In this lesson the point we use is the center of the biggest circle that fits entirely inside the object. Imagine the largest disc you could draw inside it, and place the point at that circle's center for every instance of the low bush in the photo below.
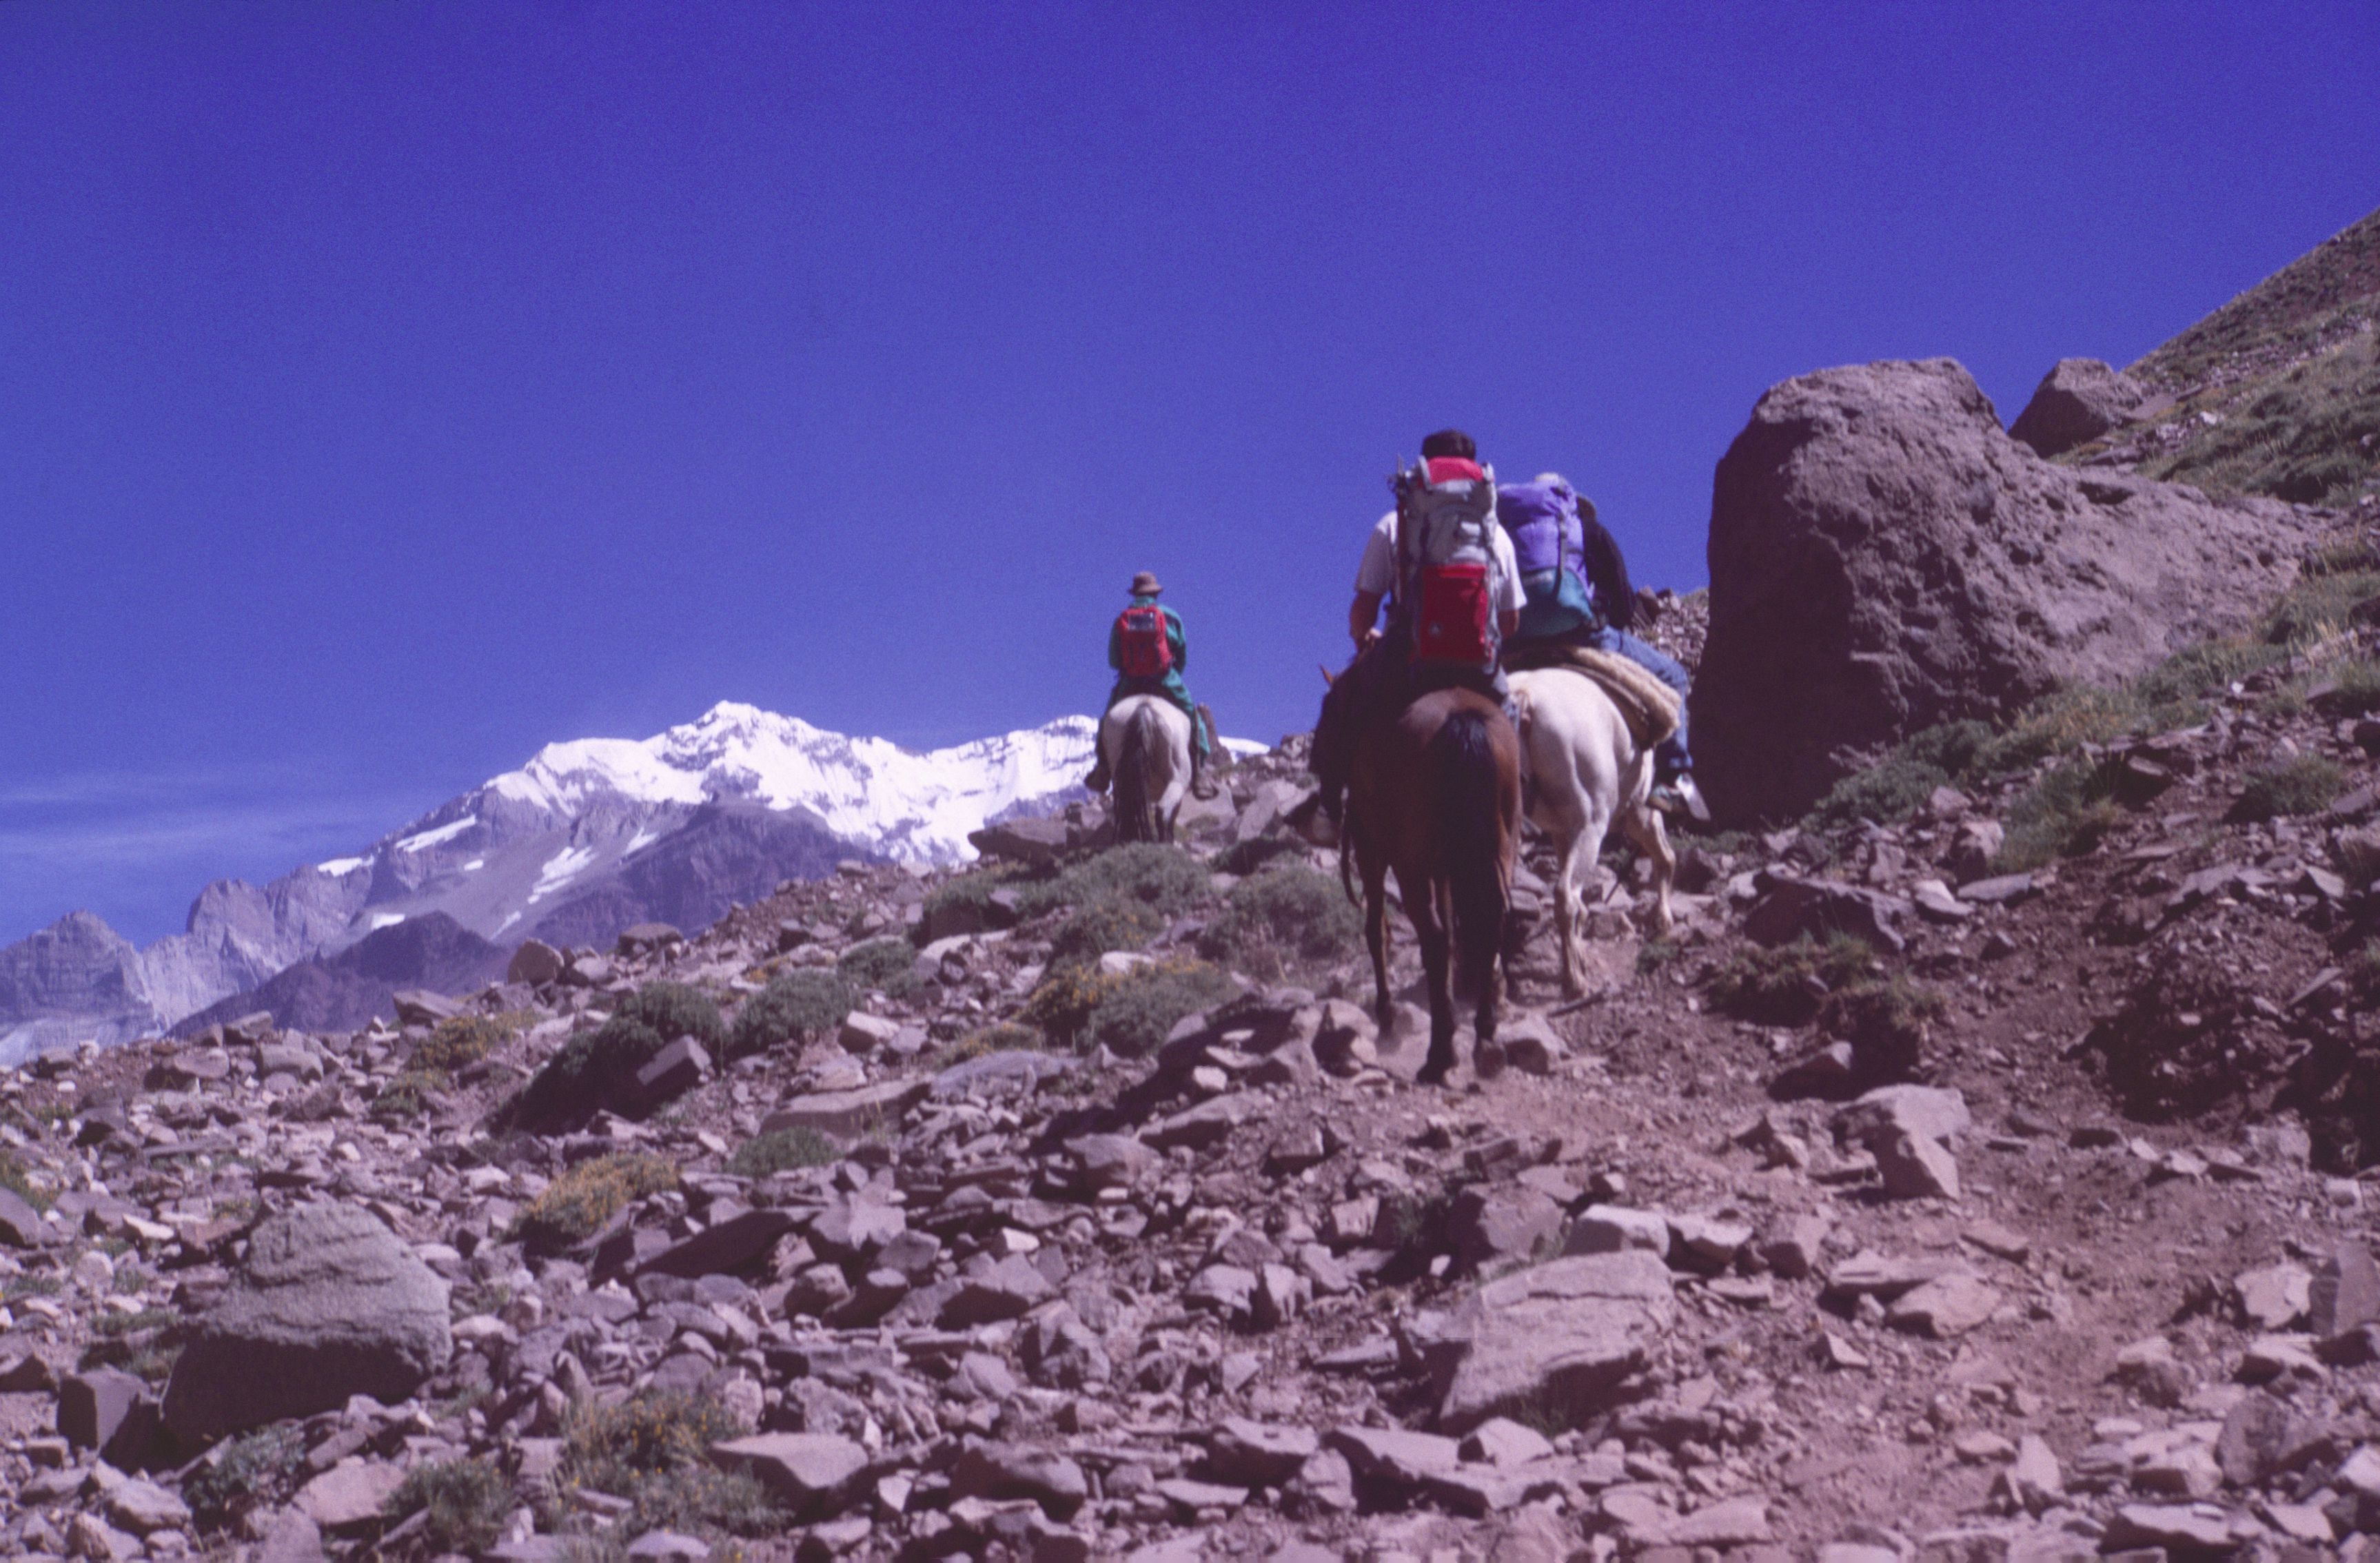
(2066, 813)
(1280, 920)
(781, 1150)
(1139, 1008)
(804, 1003)
(578, 1205)
(1787, 985)
(465, 1502)
(1091, 931)
(252, 1470)
(1247, 857)
(593, 1070)
(1080, 1006)
(464, 1040)
(1886, 1022)
(966, 901)
(410, 1094)
(2354, 689)
(1163, 879)
(1899, 784)
(887, 964)
(2304, 785)
(18, 1182)
(672, 1010)
(1002, 1037)
(654, 1451)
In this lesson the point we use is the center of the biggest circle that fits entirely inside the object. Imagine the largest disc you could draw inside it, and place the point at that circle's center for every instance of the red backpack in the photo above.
(1147, 647)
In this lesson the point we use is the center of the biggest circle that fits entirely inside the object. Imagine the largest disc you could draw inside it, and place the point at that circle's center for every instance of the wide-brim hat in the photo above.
(1144, 585)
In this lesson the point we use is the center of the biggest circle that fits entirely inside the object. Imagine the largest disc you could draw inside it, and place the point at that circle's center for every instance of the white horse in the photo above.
(1147, 742)
(1585, 774)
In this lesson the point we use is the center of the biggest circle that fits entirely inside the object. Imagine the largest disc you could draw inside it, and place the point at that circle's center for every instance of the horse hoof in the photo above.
(1434, 1073)
(1487, 1060)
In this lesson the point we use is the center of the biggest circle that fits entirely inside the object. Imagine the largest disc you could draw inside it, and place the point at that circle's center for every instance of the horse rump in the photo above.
(1471, 836)
(1135, 803)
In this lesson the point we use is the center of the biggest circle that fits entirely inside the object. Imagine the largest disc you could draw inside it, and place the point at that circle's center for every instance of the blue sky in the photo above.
(388, 389)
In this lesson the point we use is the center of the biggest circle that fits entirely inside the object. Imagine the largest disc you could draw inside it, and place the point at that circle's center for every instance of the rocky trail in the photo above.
(911, 1282)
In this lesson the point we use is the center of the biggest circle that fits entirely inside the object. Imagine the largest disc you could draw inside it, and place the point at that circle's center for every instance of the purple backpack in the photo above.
(1542, 517)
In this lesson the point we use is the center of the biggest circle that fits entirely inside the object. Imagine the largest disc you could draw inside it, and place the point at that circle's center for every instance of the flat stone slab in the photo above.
(1560, 1336)
(847, 1113)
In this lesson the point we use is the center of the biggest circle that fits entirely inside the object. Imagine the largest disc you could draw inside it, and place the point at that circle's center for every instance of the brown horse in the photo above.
(1436, 795)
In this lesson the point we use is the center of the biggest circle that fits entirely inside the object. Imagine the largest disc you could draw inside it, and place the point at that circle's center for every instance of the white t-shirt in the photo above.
(1377, 573)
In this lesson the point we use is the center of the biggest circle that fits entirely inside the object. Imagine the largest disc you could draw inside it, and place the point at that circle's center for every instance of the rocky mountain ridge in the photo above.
(590, 837)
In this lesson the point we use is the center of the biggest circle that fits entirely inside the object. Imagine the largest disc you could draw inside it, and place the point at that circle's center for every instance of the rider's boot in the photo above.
(1680, 795)
(1202, 783)
(1099, 777)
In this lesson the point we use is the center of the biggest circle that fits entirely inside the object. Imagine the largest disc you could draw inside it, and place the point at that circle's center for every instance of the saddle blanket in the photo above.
(1646, 704)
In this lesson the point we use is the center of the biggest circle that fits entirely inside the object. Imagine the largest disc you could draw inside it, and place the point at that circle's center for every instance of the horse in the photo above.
(1436, 796)
(1147, 741)
(1586, 773)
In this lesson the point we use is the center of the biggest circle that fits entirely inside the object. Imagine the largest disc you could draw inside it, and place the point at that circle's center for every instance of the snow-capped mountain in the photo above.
(588, 836)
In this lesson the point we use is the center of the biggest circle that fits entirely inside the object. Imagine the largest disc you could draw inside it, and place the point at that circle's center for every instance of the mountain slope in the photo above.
(587, 838)
(2277, 393)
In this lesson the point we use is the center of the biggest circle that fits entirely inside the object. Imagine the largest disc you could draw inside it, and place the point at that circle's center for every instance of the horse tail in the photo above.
(1469, 809)
(1136, 808)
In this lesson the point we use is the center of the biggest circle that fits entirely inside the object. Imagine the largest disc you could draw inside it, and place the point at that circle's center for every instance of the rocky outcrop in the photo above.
(2075, 402)
(333, 1305)
(1884, 556)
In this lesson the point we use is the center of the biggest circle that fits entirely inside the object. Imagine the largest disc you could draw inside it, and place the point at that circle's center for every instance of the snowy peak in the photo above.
(916, 807)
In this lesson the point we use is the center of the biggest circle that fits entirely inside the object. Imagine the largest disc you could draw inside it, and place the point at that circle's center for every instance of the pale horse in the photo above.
(1147, 742)
(1585, 774)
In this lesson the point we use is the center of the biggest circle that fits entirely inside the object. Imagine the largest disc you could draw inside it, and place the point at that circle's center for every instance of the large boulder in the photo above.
(2075, 402)
(332, 1304)
(1884, 557)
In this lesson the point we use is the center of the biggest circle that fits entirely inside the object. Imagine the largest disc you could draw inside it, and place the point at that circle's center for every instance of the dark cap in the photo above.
(1144, 585)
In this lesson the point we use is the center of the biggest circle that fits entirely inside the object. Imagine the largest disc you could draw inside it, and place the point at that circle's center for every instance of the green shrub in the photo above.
(806, 1002)
(781, 1150)
(2304, 785)
(1164, 879)
(1139, 1008)
(672, 1010)
(410, 1094)
(654, 1451)
(578, 1205)
(1247, 857)
(1001, 1036)
(2066, 813)
(889, 964)
(464, 1040)
(251, 1470)
(467, 1502)
(1283, 919)
(2354, 689)
(16, 1181)
(1884, 1022)
(1787, 985)
(592, 1070)
(1091, 931)
(965, 904)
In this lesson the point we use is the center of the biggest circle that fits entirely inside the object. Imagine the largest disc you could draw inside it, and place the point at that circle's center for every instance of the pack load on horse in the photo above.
(1578, 610)
(1154, 741)
(1446, 574)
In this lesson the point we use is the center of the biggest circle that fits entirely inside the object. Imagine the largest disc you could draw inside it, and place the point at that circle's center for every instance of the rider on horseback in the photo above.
(1557, 540)
(1148, 649)
(1387, 674)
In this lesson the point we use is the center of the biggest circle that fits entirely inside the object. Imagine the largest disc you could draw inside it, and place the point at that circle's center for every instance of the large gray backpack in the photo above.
(1446, 563)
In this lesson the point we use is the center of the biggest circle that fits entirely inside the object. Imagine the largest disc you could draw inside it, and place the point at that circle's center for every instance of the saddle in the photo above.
(1646, 704)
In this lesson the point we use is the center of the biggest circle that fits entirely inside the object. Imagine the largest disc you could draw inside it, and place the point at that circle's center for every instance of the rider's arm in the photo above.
(1361, 615)
(1508, 623)
(1181, 641)
(1115, 646)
